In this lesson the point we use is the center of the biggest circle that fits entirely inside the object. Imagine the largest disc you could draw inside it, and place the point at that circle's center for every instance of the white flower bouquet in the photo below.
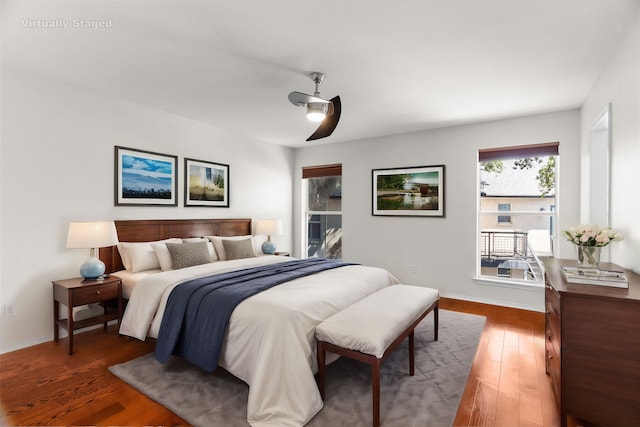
(591, 235)
(589, 239)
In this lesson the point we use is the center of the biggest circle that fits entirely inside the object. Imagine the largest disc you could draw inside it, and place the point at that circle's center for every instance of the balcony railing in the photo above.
(506, 253)
(503, 244)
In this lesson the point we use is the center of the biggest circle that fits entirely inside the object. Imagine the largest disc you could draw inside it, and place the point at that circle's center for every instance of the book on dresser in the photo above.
(591, 276)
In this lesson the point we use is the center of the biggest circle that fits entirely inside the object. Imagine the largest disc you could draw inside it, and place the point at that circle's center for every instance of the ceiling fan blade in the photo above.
(330, 122)
(301, 99)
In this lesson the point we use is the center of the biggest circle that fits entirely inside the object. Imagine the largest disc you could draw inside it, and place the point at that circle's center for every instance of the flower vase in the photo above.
(588, 256)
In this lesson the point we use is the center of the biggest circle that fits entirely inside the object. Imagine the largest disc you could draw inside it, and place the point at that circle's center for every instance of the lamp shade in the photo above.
(86, 235)
(92, 235)
(269, 227)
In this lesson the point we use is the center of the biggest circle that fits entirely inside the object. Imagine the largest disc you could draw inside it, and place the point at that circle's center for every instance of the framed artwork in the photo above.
(206, 184)
(410, 191)
(145, 178)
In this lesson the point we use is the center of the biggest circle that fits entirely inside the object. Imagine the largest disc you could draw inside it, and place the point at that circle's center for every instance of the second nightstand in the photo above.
(79, 291)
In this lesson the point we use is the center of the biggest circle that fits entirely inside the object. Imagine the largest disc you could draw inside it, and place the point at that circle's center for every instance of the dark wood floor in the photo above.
(42, 385)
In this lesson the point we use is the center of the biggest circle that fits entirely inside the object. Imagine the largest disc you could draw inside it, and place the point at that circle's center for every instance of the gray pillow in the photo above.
(187, 254)
(236, 249)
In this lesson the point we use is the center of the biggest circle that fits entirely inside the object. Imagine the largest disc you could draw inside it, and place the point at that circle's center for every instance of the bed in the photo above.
(269, 342)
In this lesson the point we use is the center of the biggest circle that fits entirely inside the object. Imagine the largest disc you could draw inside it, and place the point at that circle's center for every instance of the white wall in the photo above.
(444, 249)
(57, 166)
(619, 84)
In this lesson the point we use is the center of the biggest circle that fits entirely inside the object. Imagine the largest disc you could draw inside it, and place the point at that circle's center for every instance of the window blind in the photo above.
(321, 171)
(518, 152)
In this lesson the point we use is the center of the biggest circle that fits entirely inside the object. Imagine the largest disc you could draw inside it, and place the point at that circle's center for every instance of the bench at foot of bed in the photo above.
(369, 330)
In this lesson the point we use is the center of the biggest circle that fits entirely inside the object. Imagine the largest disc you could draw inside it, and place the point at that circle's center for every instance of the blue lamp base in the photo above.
(92, 268)
(268, 247)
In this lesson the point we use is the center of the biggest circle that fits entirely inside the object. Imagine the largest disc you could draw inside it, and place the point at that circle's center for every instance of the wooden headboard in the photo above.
(148, 230)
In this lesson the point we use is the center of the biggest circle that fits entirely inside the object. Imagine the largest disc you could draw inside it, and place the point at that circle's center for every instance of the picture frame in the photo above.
(145, 178)
(409, 191)
(206, 184)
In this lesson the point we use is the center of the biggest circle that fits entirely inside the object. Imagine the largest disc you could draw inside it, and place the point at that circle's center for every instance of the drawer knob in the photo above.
(98, 292)
(550, 356)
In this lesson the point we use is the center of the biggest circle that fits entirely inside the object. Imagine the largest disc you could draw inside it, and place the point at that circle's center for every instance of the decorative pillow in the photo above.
(219, 248)
(188, 254)
(140, 256)
(212, 251)
(236, 249)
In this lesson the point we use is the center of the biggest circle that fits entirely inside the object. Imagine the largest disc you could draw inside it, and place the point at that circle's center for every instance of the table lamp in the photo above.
(269, 227)
(92, 235)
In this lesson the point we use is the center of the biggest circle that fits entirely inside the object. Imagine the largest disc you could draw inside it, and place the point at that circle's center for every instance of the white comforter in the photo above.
(270, 342)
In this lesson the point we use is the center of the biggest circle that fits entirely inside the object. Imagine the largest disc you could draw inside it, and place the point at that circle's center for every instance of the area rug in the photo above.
(429, 398)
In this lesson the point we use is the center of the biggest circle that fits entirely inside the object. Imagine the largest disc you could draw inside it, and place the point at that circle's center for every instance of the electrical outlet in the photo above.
(413, 269)
(9, 309)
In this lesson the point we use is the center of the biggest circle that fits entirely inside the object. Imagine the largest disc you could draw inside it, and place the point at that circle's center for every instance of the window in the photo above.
(323, 216)
(502, 207)
(522, 182)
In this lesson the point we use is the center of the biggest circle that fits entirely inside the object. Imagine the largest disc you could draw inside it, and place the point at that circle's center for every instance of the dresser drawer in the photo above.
(552, 302)
(96, 293)
(552, 361)
(552, 317)
(601, 388)
(604, 326)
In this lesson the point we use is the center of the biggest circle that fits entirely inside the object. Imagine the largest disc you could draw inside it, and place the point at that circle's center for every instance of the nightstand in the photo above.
(78, 291)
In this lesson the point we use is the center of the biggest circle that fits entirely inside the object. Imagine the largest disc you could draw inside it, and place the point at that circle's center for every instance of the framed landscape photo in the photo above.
(410, 191)
(206, 184)
(145, 178)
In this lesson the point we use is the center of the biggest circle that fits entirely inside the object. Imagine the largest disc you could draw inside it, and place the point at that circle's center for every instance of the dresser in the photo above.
(593, 347)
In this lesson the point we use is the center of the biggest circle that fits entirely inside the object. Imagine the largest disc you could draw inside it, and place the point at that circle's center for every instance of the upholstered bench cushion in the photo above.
(373, 323)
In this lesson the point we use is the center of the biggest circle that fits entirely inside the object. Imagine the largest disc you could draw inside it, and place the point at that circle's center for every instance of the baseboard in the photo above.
(62, 334)
(26, 344)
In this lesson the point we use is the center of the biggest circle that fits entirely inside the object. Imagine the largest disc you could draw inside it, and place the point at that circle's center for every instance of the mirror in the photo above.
(599, 169)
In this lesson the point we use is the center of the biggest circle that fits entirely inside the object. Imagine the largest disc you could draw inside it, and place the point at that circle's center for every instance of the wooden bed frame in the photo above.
(149, 230)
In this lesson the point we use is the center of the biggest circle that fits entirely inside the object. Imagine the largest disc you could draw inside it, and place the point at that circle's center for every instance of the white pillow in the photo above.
(140, 256)
(217, 244)
(163, 255)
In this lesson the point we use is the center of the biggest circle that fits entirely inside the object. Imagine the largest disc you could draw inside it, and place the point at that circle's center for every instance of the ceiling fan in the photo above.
(326, 111)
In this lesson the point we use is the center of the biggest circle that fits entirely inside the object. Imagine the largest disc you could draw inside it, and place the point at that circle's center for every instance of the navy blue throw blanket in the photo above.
(198, 311)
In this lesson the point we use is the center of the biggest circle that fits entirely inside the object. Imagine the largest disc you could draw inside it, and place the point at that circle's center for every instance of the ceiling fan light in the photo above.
(316, 111)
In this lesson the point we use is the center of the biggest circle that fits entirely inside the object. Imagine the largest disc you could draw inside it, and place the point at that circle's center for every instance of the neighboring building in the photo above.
(514, 190)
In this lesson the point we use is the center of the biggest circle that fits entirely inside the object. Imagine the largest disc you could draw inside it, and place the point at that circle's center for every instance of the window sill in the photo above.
(508, 283)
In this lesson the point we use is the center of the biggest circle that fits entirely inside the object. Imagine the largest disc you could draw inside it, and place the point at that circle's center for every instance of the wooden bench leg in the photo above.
(321, 367)
(375, 390)
(412, 353)
(435, 322)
